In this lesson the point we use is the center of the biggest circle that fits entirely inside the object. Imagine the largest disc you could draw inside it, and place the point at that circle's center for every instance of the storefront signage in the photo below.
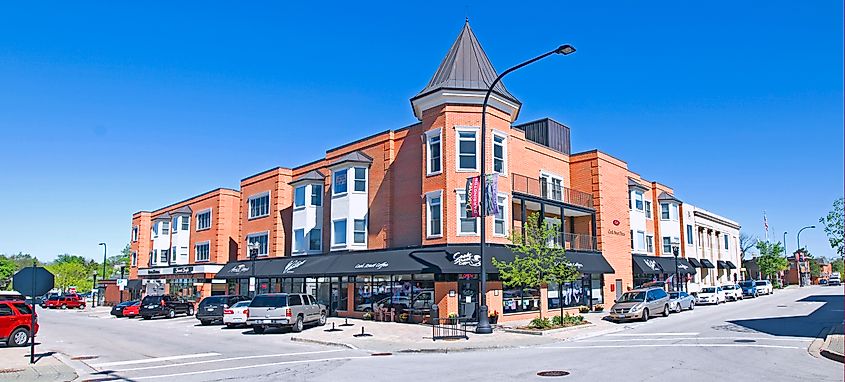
(468, 259)
(153, 272)
(182, 270)
(682, 266)
(239, 268)
(616, 222)
(578, 265)
(651, 264)
(383, 264)
(293, 265)
(615, 232)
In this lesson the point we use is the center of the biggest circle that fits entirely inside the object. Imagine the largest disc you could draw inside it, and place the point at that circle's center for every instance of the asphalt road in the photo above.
(757, 339)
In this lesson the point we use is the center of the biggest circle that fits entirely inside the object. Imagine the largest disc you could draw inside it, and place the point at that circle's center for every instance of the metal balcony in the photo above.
(547, 190)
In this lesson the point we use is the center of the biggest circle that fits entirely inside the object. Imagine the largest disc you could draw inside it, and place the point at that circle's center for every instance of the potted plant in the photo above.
(367, 316)
(598, 308)
(494, 317)
(584, 309)
(403, 317)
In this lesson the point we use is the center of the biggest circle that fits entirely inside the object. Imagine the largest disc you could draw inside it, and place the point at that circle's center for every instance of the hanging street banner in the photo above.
(473, 195)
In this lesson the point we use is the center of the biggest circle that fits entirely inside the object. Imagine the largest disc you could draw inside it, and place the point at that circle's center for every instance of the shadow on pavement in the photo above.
(808, 326)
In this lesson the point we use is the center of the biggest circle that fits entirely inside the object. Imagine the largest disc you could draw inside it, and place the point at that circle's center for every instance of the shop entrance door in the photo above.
(468, 299)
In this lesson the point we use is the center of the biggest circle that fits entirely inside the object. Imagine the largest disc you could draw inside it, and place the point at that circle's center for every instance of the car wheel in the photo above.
(692, 305)
(145, 317)
(297, 326)
(19, 337)
(190, 311)
(258, 329)
(665, 310)
(171, 313)
(64, 307)
(205, 323)
(322, 319)
(645, 314)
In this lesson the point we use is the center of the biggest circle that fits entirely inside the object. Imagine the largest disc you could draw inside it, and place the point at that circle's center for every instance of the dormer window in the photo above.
(299, 196)
(360, 179)
(638, 200)
(339, 182)
(316, 195)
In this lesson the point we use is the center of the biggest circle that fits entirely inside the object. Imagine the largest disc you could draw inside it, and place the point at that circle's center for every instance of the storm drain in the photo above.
(84, 357)
(553, 373)
(745, 341)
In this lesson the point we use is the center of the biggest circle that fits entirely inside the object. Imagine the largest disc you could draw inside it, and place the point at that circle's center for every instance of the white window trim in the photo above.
(497, 133)
(341, 194)
(652, 243)
(256, 196)
(428, 197)
(670, 212)
(309, 195)
(649, 215)
(504, 216)
(196, 217)
(366, 180)
(305, 196)
(366, 233)
(304, 239)
(308, 239)
(642, 246)
(196, 259)
(136, 230)
(549, 182)
(428, 136)
(634, 201)
(256, 234)
(674, 212)
(334, 244)
(458, 194)
(458, 130)
(133, 259)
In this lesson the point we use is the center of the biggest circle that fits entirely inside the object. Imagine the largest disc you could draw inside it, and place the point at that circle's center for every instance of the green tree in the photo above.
(23, 260)
(771, 260)
(834, 226)
(837, 266)
(71, 273)
(7, 270)
(536, 262)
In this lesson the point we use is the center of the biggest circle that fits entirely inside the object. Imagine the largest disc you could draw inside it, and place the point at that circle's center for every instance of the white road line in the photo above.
(149, 360)
(228, 359)
(674, 345)
(250, 367)
(652, 334)
(707, 338)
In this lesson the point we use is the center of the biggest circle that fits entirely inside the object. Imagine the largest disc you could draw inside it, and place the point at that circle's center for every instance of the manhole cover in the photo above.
(745, 341)
(84, 357)
(380, 354)
(553, 373)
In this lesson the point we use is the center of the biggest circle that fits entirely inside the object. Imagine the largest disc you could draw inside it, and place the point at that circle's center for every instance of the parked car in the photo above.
(210, 309)
(64, 302)
(10, 296)
(679, 301)
(640, 304)
(277, 310)
(117, 310)
(133, 310)
(165, 306)
(733, 292)
(236, 315)
(711, 295)
(749, 288)
(764, 286)
(15, 321)
(834, 280)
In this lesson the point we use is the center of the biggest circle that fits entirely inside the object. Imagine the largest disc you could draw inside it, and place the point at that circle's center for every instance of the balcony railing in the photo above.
(551, 191)
(574, 242)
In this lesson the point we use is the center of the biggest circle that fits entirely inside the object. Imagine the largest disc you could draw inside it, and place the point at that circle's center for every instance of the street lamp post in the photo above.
(798, 248)
(675, 247)
(104, 259)
(483, 326)
(253, 253)
(93, 291)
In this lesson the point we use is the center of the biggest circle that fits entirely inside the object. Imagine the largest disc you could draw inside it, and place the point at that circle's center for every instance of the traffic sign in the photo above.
(33, 281)
(121, 283)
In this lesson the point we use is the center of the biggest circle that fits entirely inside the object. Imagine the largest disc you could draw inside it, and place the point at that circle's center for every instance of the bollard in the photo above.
(434, 318)
(362, 334)
(346, 322)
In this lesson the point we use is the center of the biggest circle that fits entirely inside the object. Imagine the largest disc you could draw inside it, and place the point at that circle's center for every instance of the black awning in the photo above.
(730, 265)
(684, 266)
(293, 265)
(706, 264)
(694, 262)
(721, 264)
(646, 265)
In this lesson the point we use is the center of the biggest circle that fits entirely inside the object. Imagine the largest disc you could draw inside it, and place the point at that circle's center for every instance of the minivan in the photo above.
(640, 304)
(284, 310)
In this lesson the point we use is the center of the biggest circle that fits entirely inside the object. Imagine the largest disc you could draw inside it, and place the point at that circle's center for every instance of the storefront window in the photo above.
(572, 294)
(363, 294)
(342, 299)
(184, 288)
(596, 286)
(516, 300)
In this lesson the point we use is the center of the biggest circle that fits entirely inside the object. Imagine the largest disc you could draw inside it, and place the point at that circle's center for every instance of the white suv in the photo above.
(764, 287)
(732, 292)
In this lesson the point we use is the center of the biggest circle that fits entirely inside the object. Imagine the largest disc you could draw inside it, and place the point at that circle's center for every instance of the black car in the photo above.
(117, 310)
(165, 306)
(211, 308)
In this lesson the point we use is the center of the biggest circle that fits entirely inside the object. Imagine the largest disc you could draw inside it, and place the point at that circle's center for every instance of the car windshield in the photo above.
(54, 298)
(674, 295)
(269, 301)
(213, 300)
(151, 300)
(241, 304)
(632, 297)
(747, 284)
(123, 304)
(708, 290)
(728, 287)
(761, 283)
(23, 308)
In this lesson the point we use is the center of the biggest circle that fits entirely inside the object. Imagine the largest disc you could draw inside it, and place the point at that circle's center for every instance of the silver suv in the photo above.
(278, 310)
(640, 304)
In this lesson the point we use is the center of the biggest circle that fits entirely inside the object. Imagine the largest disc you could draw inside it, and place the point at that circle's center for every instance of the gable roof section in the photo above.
(355, 156)
(665, 196)
(313, 175)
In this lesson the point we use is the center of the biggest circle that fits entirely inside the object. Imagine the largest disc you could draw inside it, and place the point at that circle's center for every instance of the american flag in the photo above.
(765, 222)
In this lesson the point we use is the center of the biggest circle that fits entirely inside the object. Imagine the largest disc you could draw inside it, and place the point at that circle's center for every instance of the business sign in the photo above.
(289, 268)
(383, 264)
(240, 268)
(468, 259)
(182, 270)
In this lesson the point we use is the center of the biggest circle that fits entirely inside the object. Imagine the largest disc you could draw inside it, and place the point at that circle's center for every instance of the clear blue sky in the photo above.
(107, 109)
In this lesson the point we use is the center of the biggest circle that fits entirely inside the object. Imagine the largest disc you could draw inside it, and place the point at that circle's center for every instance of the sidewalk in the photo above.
(391, 337)
(834, 344)
(15, 366)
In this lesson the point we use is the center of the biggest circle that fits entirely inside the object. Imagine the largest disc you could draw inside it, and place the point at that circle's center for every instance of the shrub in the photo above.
(453, 315)
(598, 308)
(567, 320)
(368, 316)
(540, 323)
(584, 309)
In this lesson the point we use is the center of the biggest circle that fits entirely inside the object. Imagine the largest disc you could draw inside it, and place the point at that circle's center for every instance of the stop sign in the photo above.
(33, 281)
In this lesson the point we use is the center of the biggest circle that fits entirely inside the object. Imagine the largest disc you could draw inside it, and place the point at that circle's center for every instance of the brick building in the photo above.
(382, 221)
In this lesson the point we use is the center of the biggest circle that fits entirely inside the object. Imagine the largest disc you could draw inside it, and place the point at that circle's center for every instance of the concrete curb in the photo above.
(827, 352)
(549, 332)
(325, 343)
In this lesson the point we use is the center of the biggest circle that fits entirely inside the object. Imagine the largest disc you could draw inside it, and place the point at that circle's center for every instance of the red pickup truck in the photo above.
(15, 319)
(64, 302)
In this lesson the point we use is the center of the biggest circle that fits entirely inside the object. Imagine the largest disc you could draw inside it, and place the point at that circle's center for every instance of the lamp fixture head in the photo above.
(565, 49)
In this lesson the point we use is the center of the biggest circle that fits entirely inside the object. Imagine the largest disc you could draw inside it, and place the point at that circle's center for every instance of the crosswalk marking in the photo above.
(228, 359)
(706, 338)
(150, 360)
(250, 367)
(674, 345)
(652, 334)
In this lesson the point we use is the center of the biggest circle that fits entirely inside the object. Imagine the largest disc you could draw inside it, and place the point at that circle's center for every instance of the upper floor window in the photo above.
(134, 259)
(263, 241)
(316, 195)
(433, 161)
(155, 229)
(647, 206)
(186, 223)
(500, 226)
(359, 231)
(339, 181)
(299, 196)
(468, 225)
(204, 220)
(175, 224)
(360, 179)
(165, 227)
(689, 234)
(640, 240)
(201, 251)
(649, 243)
(434, 214)
(467, 150)
(667, 245)
(638, 200)
(674, 210)
(664, 211)
(259, 205)
(500, 149)
(299, 240)
(315, 239)
(726, 241)
(339, 232)
(551, 187)
(164, 256)
(134, 233)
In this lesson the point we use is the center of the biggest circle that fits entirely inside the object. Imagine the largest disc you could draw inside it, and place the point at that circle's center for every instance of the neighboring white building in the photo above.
(711, 243)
